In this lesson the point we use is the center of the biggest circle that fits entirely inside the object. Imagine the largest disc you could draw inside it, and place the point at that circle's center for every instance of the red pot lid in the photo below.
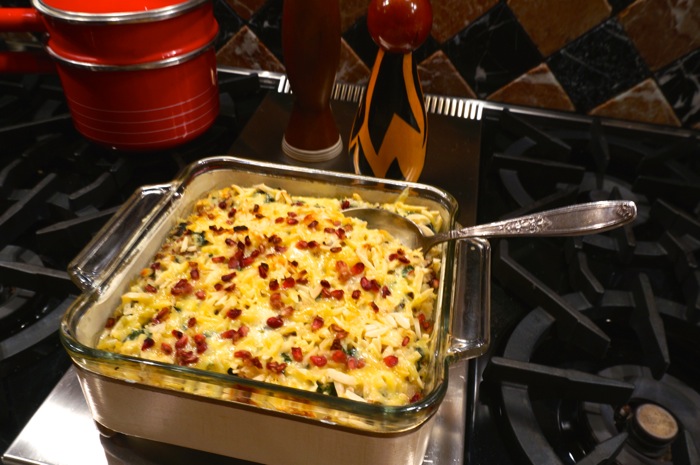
(113, 10)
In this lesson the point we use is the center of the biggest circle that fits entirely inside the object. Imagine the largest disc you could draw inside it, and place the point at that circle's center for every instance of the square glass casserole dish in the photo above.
(246, 418)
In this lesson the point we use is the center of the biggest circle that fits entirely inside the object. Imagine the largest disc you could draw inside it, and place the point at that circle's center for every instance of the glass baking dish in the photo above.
(128, 242)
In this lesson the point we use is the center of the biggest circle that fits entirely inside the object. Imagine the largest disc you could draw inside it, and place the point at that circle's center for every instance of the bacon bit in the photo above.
(150, 288)
(256, 362)
(222, 205)
(325, 293)
(186, 357)
(318, 360)
(297, 354)
(243, 331)
(317, 323)
(276, 301)
(234, 313)
(375, 285)
(292, 221)
(275, 367)
(355, 363)
(337, 294)
(228, 277)
(216, 229)
(161, 315)
(182, 342)
(302, 281)
(424, 323)
(274, 285)
(302, 245)
(230, 288)
(256, 208)
(194, 274)
(313, 244)
(147, 343)
(280, 249)
(240, 228)
(155, 266)
(263, 269)
(345, 204)
(219, 259)
(182, 287)
(247, 261)
(339, 356)
(391, 361)
(232, 212)
(366, 284)
(312, 225)
(287, 311)
(218, 286)
(200, 294)
(166, 348)
(340, 333)
(177, 333)
(325, 284)
(385, 291)
(374, 307)
(356, 294)
(357, 268)
(405, 341)
(275, 322)
(340, 232)
(292, 214)
(343, 270)
(228, 334)
(336, 345)
(336, 249)
(243, 354)
(288, 283)
(329, 230)
(279, 220)
(435, 283)
(110, 323)
(201, 343)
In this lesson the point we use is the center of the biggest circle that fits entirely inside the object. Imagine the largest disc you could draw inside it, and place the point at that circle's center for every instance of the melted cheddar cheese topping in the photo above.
(284, 289)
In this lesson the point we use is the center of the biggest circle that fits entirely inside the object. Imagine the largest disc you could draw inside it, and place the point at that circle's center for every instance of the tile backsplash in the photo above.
(632, 60)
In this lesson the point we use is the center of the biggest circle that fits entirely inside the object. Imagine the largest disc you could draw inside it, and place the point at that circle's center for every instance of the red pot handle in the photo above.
(20, 20)
(26, 63)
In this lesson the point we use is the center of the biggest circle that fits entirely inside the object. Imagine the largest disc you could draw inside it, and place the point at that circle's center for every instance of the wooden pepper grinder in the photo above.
(311, 47)
(390, 132)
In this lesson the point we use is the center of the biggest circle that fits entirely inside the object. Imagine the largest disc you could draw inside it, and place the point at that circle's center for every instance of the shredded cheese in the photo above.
(261, 284)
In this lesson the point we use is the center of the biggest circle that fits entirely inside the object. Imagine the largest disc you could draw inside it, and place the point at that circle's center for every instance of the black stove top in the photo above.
(595, 356)
(594, 353)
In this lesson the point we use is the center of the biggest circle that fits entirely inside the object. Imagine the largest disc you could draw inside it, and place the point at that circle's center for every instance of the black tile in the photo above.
(358, 38)
(680, 83)
(229, 22)
(598, 65)
(492, 51)
(619, 5)
(266, 23)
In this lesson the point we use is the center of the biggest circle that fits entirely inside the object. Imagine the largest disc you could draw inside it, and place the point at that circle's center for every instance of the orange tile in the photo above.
(439, 76)
(551, 24)
(245, 8)
(644, 102)
(451, 16)
(245, 50)
(536, 88)
(662, 30)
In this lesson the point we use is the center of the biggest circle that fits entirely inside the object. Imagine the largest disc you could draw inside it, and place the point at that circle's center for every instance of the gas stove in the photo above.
(593, 354)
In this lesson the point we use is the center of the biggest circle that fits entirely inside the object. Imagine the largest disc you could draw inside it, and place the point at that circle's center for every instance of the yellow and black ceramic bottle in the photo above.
(390, 132)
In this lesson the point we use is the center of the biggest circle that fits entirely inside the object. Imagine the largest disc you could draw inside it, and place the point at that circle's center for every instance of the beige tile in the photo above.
(439, 76)
(662, 30)
(645, 102)
(451, 16)
(351, 11)
(551, 24)
(536, 88)
(352, 69)
(245, 50)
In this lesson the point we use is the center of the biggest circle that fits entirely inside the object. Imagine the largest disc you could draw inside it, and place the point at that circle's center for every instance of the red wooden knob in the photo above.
(399, 26)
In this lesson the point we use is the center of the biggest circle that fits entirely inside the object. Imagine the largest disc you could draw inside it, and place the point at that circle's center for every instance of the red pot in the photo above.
(137, 74)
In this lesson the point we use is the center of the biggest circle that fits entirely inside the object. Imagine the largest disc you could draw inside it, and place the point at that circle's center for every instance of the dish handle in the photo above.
(470, 333)
(109, 247)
